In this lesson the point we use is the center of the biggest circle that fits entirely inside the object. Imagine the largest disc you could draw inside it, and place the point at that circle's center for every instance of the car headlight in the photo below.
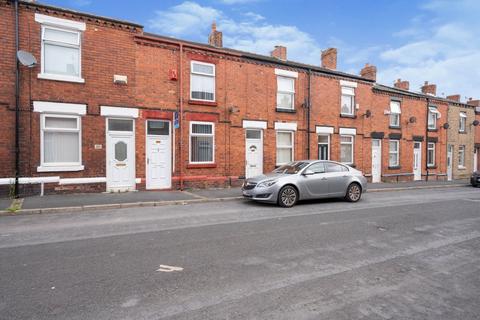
(266, 184)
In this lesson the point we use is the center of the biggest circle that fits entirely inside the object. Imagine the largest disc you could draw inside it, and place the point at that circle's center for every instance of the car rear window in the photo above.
(334, 167)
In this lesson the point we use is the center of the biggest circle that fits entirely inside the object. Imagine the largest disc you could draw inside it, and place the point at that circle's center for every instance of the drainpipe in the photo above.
(426, 140)
(180, 116)
(17, 103)
(308, 112)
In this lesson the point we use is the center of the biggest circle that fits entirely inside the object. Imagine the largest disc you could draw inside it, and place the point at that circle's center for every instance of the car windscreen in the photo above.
(291, 168)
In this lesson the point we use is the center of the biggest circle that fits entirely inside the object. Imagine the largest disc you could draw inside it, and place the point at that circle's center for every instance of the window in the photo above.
(347, 101)
(202, 142)
(333, 167)
(461, 156)
(61, 54)
(284, 147)
(431, 154)
(463, 122)
(202, 81)
(318, 167)
(346, 149)
(158, 128)
(393, 153)
(395, 112)
(125, 125)
(285, 93)
(323, 147)
(60, 141)
(433, 115)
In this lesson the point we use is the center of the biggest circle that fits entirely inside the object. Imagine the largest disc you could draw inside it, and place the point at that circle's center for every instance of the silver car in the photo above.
(306, 179)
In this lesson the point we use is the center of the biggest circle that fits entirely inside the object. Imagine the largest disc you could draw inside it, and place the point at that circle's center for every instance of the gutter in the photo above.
(308, 112)
(426, 140)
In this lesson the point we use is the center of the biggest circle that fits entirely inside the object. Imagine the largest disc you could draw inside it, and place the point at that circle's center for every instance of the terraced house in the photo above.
(109, 107)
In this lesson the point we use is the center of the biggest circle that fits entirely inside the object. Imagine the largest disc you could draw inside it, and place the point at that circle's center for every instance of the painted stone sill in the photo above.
(462, 168)
(201, 165)
(203, 103)
(432, 130)
(351, 116)
(57, 77)
(395, 127)
(431, 167)
(59, 168)
(285, 110)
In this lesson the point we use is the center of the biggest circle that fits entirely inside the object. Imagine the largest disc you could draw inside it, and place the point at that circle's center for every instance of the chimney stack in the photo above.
(329, 58)
(369, 72)
(404, 85)
(215, 37)
(454, 97)
(472, 102)
(430, 89)
(280, 52)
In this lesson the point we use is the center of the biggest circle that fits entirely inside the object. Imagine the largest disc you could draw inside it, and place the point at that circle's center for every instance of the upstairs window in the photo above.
(433, 115)
(285, 93)
(462, 122)
(202, 81)
(395, 112)
(347, 101)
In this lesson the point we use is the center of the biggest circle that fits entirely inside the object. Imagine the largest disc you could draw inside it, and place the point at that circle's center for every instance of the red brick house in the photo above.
(109, 107)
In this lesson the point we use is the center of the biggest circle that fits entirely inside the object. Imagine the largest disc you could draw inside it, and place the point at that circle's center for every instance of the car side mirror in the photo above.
(308, 173)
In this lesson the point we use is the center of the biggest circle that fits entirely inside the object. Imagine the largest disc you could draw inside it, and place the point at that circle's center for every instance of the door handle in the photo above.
(323, 178)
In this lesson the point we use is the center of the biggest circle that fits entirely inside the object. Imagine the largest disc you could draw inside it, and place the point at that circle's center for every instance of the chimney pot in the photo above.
(405, 85)
(430, 89)
(215, 37)
(280, 52)
(329, 58)
(369, 72)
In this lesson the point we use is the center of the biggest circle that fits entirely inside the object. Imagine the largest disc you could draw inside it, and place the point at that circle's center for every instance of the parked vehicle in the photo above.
(306, 179)
(475, 179)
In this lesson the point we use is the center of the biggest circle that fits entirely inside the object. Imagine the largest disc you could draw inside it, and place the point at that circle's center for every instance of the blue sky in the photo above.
(430, 40)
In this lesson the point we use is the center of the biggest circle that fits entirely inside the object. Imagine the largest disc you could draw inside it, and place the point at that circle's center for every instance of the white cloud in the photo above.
(250, 33)
(185, 19)
(445, 51)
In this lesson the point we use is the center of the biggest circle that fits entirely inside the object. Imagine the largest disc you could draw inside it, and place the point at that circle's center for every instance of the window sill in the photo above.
(432, 130)
(285, 110)
(201, 165)
(395, 127)
(462, 132)
(394, 167)
(462, 168)
(203, 103)
(431, 167)
(59, 168)
(351, 116)
(57, 77)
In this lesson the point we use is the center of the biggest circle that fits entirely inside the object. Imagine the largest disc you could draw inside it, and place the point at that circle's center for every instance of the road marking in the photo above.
(165, 268)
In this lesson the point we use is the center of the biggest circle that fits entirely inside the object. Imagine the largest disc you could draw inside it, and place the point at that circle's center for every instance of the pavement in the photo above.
(412, 254)
(89, 201)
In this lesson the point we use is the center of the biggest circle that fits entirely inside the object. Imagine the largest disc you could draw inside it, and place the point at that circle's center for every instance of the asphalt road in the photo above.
(394, 255)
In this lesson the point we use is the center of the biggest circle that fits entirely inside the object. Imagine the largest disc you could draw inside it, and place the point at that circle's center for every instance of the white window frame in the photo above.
(61, 77)
(462, 125)
(291, 147)
(351, 96)
(396, 151)
(323, 143)
(191, 134)
(350, 143)
(214, 76)
(431, 161)
(292, 107)
(395, 114)
(461, 156)
(59, 166)
(436, 116)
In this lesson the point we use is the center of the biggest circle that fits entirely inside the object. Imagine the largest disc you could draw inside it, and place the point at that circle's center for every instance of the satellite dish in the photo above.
(476, 122)
(368, 113)
(446, 126)
(412, 120)
(26, 59)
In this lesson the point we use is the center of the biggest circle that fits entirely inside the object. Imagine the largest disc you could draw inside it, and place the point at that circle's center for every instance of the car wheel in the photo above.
(354, 192)
(287, 197)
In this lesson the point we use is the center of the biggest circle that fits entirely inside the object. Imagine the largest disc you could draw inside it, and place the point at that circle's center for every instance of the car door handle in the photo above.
(345, 176)
(323, 178)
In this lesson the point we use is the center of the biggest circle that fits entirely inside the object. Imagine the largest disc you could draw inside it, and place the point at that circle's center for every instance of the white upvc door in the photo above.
(450, 162)
(475, 159)
(120, 155)
(417, 161)
(253, 152)
(376, 160)
(158, 155)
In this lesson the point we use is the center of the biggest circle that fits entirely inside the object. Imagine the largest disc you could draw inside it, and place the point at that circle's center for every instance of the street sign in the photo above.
(176, 122)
